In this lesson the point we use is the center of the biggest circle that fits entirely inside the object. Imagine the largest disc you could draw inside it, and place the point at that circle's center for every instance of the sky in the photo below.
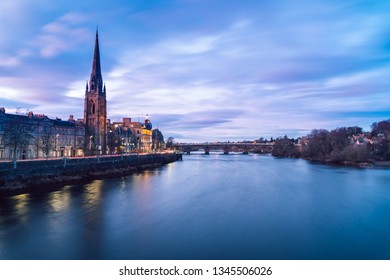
(202, 70)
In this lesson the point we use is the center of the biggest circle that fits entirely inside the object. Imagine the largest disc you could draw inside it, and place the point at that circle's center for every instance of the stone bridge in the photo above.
(227, 147)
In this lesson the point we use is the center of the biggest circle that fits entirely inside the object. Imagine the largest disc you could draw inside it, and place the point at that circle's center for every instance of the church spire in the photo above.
(96, 80)
(95, 108)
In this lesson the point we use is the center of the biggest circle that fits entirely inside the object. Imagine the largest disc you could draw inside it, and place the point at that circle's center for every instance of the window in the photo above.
(92, 107)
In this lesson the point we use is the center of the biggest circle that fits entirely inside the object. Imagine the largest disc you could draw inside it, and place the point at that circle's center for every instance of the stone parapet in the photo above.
(30, 174)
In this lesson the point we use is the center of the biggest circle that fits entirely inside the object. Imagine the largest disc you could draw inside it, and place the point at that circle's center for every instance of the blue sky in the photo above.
(203, 70)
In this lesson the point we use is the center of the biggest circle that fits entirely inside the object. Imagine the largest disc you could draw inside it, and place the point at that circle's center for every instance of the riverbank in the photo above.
(363, 164)
(35, 175)
(382, 163)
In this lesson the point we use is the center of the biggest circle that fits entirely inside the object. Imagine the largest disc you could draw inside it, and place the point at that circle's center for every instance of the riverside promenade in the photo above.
(30, 175)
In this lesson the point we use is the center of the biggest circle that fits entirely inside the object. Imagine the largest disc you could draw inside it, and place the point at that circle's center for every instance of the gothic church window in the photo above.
(92, 107)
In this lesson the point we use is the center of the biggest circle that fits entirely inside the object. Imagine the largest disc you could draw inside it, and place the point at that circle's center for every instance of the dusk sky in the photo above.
(207, 70)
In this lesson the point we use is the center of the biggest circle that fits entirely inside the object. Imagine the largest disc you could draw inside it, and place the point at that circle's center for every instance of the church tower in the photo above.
(95, 108)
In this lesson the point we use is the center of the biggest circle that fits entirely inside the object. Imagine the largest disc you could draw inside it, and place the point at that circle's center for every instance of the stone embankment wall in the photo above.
(34, 173)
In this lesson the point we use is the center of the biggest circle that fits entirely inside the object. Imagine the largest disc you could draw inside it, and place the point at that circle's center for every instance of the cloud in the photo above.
(33, 93)
(8, 10)
(62, 35)
(210, 70)
(191, 45)
(9, 61)
(198, 119)
(270, 74)
(9, 93)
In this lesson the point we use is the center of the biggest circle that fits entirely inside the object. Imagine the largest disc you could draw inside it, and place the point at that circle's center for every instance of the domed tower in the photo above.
(147, 123)
(95, 108)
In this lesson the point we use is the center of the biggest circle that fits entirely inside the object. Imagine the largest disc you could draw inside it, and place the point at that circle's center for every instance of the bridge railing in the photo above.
(221, 144)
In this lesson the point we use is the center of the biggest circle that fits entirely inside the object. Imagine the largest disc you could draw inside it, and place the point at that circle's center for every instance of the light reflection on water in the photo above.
(207, 207)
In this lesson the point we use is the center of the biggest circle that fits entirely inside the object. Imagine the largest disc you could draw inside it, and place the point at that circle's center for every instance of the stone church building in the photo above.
(24, 136)
(95, 108)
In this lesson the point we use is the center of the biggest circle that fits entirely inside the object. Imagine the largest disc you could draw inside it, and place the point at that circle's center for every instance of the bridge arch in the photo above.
(244, 147)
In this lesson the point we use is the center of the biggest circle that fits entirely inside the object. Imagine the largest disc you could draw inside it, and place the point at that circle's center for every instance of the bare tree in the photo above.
(382, 127)
(170, 142)
(16, 136)
(285, 147)
(319, 146)
(37, 145)
(157, 139)
(46, 143)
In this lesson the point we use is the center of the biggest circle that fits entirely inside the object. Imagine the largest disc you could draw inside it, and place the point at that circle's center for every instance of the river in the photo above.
(207, 207)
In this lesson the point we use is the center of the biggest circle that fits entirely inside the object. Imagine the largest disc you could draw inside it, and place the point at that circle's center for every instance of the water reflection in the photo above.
(14, 209)
(21, 205)
(207, 207)
(59, 200)
(92, 193)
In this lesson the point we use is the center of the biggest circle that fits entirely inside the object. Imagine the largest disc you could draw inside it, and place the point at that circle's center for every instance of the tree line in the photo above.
(343, 144)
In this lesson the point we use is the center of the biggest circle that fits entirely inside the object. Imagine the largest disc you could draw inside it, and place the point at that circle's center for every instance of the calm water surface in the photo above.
(207, 207)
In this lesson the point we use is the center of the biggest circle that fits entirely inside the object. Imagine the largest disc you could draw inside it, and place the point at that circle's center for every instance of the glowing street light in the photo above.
(90, 143)
(55, 146)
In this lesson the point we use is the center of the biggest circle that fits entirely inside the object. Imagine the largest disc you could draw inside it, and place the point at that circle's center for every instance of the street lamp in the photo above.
(56, 144)
(90, 144)
(110, 143)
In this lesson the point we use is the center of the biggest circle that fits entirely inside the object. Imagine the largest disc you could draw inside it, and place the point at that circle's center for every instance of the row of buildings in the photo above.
(30, 135)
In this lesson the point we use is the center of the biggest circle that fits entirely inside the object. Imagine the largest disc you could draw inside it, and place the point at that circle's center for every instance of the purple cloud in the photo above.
(266, 68)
